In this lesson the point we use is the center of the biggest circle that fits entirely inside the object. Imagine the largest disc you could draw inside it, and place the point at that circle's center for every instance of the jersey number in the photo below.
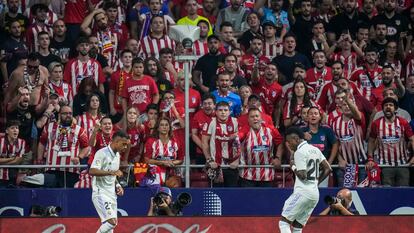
(107, 205)
(313, 172)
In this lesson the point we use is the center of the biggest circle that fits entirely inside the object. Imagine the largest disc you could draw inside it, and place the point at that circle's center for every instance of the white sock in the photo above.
(297, 230)
(106, 227)
(284, 227)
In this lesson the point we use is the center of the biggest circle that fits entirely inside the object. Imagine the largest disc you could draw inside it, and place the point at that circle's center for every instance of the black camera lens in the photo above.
(329, 200)
(158, 200)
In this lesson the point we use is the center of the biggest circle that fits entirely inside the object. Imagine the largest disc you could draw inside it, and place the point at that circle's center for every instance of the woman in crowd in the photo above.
(87, 87)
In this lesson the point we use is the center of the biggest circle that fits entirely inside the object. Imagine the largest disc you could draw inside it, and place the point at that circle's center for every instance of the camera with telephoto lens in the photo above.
(329, 200)
(183, 200)
(159, 198)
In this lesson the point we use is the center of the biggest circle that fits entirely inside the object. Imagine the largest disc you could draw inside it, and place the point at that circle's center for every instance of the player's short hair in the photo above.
(120, 134)
(390, 100)
(293, 130)
(225, 24)
(208, 96)
(252, 109)
(105, 117)
(11, 123)
(137, 60)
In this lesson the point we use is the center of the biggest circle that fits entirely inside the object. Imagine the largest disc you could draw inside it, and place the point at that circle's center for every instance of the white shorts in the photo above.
(298, 207)
(106, 206)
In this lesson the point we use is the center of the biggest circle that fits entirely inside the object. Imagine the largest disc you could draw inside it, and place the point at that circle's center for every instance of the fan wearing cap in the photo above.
(390, 135)
(12, 150)
(164, 208)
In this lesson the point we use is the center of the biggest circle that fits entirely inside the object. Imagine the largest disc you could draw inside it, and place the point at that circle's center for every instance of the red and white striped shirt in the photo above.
(297, 111)
(221, 144)
(351, 136)
(31, 35)
(350, 62)
(332, 116)
(272, 50)
(200, 48)
(64, 91)
(150, 47)
(392, 139)
(257, 149)
(360, 77)
(62, 144)
(157, 150)
(316, 79)
(87, 122)
(249, 60)
(200, 121)
(76, 71)
(326, 96)
(7, 150)
(50, 20)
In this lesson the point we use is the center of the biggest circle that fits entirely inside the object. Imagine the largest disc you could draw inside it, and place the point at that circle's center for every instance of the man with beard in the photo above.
(192, 17)
(230, 66)
(303, 25)
(318, 40)
(33, 76)
(391, 92)
(236, 14)
(380, 40)
(390, 135)
(200, 122)
(319, 75)
(40, 15)
(133, 46)
(326, 96)
(108, 38)
(63, 143)
(223, 94)
(12, 49)
(389, 80)
(60, 41)
(347, 20)
(272, 46)
(255, 59)
(116, 85)
(207, 65)
(12, 15)
(368, 9)
(12, 150)
(83, 67)
(153, 68)
(200, 46)
(286, 62)
(368, 76)
(270, 92)
(396, 23)
(94, 53)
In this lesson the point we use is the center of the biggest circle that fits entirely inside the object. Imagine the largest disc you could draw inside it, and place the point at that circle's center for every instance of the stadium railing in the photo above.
(285, 168)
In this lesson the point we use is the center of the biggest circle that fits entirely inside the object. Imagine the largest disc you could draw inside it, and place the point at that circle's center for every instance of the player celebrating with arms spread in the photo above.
(305, 164)
(105, 187)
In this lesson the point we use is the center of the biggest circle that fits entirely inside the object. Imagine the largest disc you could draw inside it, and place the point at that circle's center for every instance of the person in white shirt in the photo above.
(305, 164)
(105, 187)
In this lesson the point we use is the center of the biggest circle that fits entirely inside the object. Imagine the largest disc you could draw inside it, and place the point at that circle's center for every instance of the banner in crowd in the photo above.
(355, 224)
(219, 201)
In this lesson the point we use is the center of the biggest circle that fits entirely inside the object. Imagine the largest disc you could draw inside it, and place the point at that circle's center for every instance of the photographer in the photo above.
(341, 205)
(161, 204)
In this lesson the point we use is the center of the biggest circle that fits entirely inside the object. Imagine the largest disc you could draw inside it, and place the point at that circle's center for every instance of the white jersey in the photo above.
(308, 158)
(105, 159)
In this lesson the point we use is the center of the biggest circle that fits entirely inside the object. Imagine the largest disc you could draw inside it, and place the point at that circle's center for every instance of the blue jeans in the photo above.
(339, 172)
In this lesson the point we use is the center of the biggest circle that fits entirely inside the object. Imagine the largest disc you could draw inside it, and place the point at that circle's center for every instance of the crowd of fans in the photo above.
(75, 71)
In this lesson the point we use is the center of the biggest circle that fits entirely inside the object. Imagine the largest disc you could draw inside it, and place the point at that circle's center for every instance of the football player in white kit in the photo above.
(105, 187)
(306, 162)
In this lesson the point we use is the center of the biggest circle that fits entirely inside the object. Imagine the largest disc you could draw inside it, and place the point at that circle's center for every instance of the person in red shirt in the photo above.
(258, 145)
(101, 136)
(255, 58)
(139, 90)
(270, 92)
(195, 98)
(221, 146)
(83, 67)
(163, 150)
(135, 130)
(117, 84)
(175, 114)
(389, 135)
(208, 10)
(200, 122)
(319, 75)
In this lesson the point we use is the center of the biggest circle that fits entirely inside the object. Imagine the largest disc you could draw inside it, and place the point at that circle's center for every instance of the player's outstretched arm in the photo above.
(326, 169)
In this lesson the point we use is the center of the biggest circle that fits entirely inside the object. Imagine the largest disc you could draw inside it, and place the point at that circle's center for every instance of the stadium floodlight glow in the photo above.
(185, 34)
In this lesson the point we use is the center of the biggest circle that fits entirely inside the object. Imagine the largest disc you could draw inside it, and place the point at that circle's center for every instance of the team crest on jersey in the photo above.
(397, 22)
(205, 125)
(230, 128)
(350, 125)
(193, 99)
(397, 127)
(171, 149)
(28, 115)
(264, 138)
(273, 93)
